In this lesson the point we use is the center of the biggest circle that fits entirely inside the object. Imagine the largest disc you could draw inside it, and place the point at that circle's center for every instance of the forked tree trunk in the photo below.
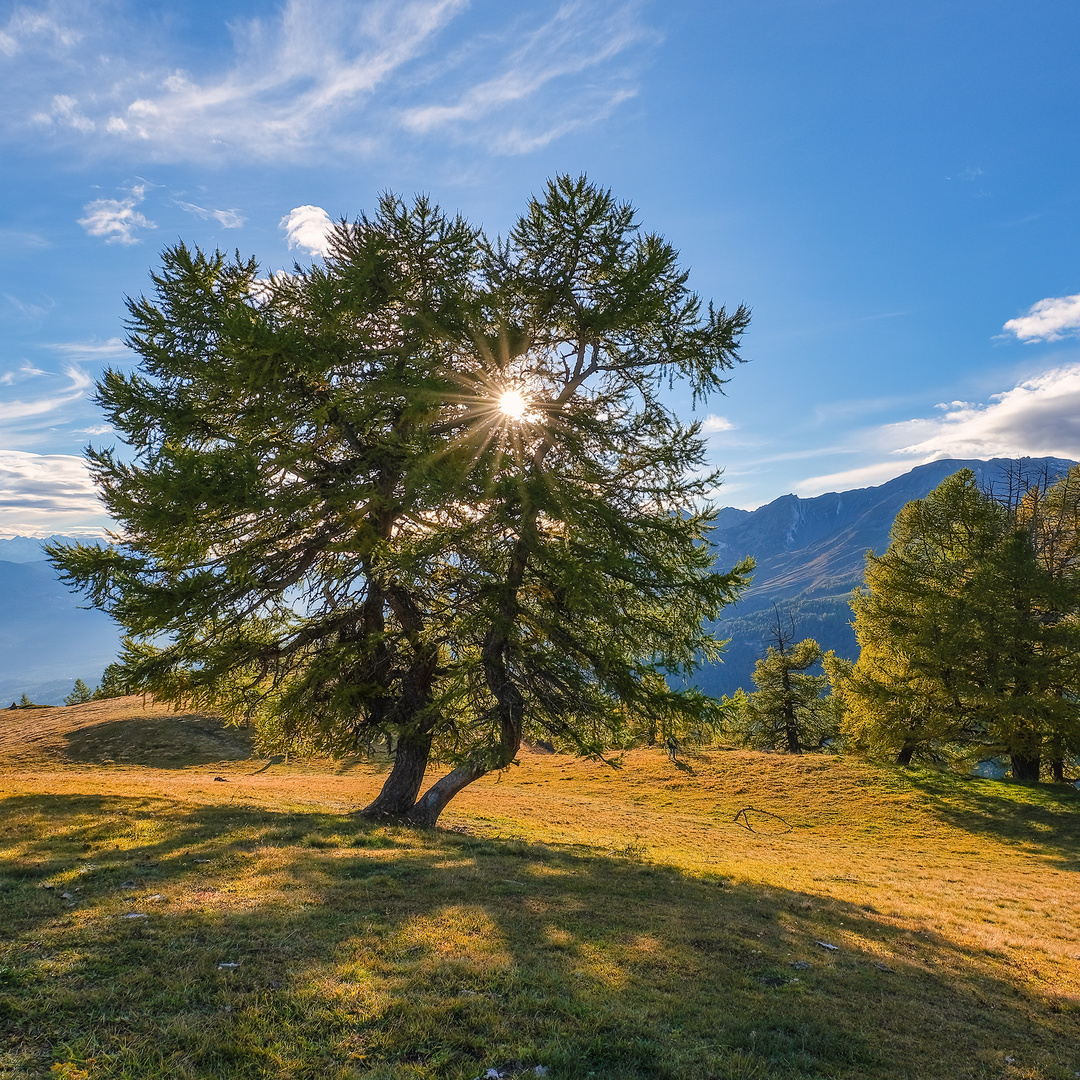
(1026, 766)
(427, 810)
(398, 795)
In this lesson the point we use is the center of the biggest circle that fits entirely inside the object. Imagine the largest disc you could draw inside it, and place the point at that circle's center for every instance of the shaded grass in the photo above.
(599, 923)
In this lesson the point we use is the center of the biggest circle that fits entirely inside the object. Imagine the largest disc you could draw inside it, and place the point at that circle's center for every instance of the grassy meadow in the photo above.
(171, 906)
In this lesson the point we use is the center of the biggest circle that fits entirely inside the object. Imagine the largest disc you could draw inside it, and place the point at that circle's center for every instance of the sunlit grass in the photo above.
(595, 922)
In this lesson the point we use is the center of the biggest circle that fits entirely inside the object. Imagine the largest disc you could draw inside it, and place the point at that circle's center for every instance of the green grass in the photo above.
(606, 925)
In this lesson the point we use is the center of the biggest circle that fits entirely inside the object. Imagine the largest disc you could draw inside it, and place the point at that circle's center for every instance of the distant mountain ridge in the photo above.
(811, 554)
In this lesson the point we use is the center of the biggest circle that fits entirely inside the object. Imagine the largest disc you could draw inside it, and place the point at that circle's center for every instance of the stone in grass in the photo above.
(826, 945)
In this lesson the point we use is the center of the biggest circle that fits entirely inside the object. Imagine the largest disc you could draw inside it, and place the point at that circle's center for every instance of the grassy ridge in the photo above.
(597, 922)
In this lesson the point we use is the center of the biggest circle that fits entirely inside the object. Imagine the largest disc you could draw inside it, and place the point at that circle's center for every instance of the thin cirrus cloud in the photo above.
(117, 220)
(227, 219)
(1051, 319)
(77, 384)
(572, 48)
(1040, 417)
(333, 76)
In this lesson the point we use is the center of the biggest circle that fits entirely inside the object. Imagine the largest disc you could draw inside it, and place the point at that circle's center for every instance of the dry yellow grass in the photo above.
(929, 885)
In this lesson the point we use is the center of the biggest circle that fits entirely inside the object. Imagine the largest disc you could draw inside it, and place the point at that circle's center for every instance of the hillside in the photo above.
(731, 915)
(811, 554)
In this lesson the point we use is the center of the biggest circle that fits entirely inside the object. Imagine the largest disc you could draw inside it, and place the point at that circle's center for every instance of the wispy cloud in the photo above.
(1039, 417)
(21, 374)
(41, 494)
(1048, 320)
(77, 384)
(227, 219)
(113, 347)
(27, 27)
(327, 77)
(308, 227)
(572, 47)
(117, 220)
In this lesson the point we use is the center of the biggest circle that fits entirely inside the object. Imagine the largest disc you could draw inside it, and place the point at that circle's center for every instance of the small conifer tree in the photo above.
(80, 694)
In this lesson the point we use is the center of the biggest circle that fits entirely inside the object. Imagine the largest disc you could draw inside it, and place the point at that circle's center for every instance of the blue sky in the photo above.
(893, 188)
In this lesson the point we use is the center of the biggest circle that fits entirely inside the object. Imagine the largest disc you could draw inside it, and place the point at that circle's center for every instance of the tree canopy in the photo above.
(427, 492)
(969, 629)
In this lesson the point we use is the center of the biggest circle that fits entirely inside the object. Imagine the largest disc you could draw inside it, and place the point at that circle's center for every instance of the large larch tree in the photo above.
(429, 492)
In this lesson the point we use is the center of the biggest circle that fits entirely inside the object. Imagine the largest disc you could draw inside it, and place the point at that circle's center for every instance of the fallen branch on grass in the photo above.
(747, 810)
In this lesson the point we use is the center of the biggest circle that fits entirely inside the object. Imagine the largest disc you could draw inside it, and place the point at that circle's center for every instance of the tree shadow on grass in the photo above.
(313, 945)
(1044, 818)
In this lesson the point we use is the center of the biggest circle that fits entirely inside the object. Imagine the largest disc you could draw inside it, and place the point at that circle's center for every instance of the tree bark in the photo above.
(1057, 767)
(905, 755)
(1026, 766)
(426, 811)
(398, 795)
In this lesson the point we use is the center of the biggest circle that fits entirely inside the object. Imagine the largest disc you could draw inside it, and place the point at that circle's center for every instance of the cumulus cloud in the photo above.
(712, 424)
(1038, 418)
(116, 219)
(42, 494)
(227, 219)
(1048, 320)
(321, 77)
(308, 227)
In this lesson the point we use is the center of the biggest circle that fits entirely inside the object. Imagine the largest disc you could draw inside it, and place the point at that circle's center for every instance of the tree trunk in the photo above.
(1057, 767)
(906, 752)
(398, 795)
(1026, 767)
(427, 810)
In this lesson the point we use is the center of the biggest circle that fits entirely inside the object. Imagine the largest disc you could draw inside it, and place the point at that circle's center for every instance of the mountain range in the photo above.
(810, 555)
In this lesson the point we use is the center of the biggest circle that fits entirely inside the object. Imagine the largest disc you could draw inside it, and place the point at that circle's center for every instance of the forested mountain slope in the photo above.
(811, 553)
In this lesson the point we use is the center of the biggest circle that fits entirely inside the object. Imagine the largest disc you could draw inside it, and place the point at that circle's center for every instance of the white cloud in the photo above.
(24, 372)
(64, 111)
(116, 219)
(580, 38)
(227, 219)
(1048, 320)
(713, 423)
(92, 350)
(331, 77)
(42, 494)
(78, 383)
(26, 28)
(308, 227)
(1038, 418)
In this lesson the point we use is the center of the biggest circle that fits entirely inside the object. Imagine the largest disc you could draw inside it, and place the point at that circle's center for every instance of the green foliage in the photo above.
(26, 703)
(969, 632)
(334, 530)
(80, 694)
(791, 709)
(113, 683)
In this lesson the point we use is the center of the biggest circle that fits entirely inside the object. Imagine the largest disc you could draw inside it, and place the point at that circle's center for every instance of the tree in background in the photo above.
(968, 632)
(112, 683)
(791, 709)
(80, 694)
(426, 492)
